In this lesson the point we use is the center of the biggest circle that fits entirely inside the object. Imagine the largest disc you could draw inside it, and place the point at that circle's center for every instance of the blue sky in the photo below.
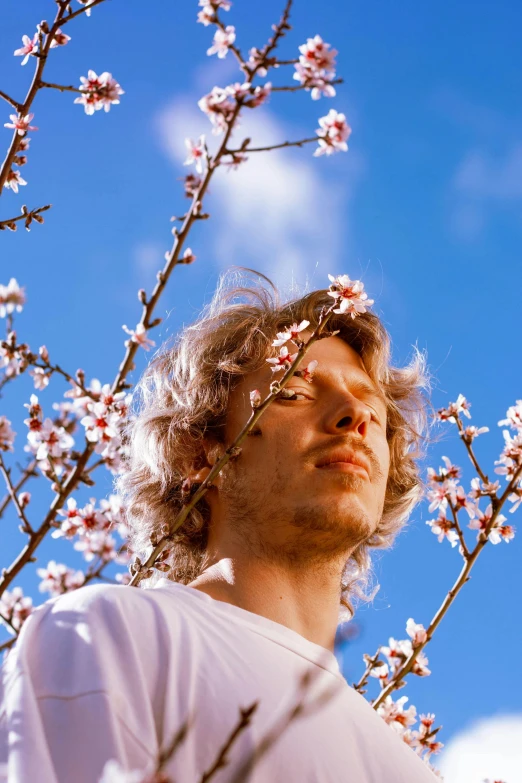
(425, 208)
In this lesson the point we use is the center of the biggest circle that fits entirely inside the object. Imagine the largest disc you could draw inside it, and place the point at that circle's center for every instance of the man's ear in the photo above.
(210, 454)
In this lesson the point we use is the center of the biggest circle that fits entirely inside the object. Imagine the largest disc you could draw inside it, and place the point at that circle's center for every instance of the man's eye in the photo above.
(292, 395)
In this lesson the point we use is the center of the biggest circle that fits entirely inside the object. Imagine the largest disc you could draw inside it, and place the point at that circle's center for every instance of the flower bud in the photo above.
(255, 398)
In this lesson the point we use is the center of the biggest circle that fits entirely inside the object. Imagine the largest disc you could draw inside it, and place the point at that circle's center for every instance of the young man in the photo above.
(259, 575)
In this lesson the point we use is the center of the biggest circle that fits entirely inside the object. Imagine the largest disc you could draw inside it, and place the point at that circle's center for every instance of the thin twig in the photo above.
(28, 472)
(471, 453)
(10, 100)
(25, 527)
(24, 216)
(222, 760)
(272, 147)
(292, 88)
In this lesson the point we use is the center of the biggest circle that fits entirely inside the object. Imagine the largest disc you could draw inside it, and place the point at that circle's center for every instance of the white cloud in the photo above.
(483, 183)
(277, 213)
(488, 748)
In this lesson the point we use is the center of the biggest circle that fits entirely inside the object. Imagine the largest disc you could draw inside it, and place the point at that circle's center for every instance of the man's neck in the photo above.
(304, 600)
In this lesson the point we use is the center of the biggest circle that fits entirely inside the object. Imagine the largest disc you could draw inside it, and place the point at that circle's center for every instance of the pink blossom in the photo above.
(49, 441)
(7, 435)
(97, 543)
(196, 153)
(283, 361)
(395, 715)
(72, 522)
(139, 336)
(471, 432)
(35, 410)
(454, 408)
(292, 333)
(316, 67)
(259, 96)
(397, 651)
(86, 3)
(420, 666)
(350, 295)
(333, 133)
(478, 489)
(30, 45)
(14, 179)
(24, 498)
(60, 39)
(254, 60)
(12, 297)
(20, 124)
(99, 424)
(208, 13)
(58, 578)
(496, 534)
(513, 417)
(98, 92)
(511, 457)
(223, 39)
(218, 107)
(416, 632)
(515, 498)
(443, 528)
(381, 672)
(40, 378)
(15, 607)
(307, 374)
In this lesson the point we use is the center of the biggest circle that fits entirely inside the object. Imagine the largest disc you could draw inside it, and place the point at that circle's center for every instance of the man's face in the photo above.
(279, 499)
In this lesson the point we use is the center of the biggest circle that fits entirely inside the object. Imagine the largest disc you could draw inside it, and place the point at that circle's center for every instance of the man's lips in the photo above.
(340, 457)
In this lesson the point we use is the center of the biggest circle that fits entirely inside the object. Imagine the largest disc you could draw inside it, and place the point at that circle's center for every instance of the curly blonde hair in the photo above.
(182, 398)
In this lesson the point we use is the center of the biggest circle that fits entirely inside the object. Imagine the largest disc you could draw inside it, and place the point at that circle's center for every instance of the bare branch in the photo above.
(27, 216)
(25, 527)
(272, 147)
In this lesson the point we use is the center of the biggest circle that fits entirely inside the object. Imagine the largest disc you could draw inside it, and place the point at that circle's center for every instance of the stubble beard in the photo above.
(311, 535)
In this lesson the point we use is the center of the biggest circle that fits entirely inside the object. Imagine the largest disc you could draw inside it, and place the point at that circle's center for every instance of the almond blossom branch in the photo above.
(61, 18)
(222, 760)
(271, 147)
(301, 709)
(25, 527)
(483, 538)
(10, 100)
(469, 448)
(27, 216)
(61, 87)
(28, 472)
(8, 644)
(292, 88)
(465, 550)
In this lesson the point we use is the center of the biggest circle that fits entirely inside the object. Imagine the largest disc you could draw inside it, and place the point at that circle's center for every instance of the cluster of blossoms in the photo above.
(207, 15)
(99, 92)
(50, 443)
(316, 67)
(92, 527)
(20, 123)
(333, 134)
(401, 720)
(57, 578)
(102, 414)
(398, 651)
(449, 497)
(31, 46)
(15, 608)
(221, 103)
(7, 435)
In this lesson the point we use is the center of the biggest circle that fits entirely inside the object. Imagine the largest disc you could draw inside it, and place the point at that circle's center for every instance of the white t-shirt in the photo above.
(112, 672)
